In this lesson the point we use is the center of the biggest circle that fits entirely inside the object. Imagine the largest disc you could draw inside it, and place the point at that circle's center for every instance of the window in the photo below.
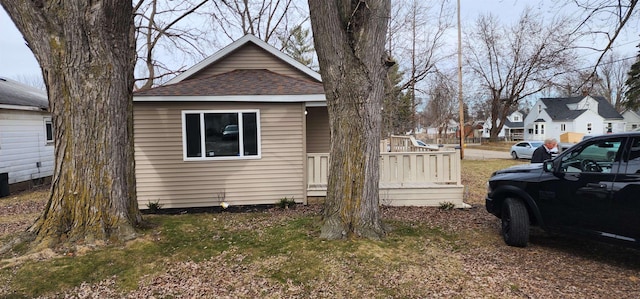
(633, 164)
(589, 125)
(516, 118)
(539, 109)
(634, 126)
(597, 156)
(563, 127)
(541, 129)
(48, 131)
(219, 135)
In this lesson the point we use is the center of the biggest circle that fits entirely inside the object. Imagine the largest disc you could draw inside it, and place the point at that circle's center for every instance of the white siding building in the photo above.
(26, 133)
(552, 117)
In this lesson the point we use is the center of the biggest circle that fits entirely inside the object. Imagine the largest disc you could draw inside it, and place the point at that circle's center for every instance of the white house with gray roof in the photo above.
(26, 134)
(589, 115)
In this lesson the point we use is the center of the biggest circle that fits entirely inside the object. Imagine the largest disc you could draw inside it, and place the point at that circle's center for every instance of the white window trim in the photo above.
(47, 120)
(203, 145)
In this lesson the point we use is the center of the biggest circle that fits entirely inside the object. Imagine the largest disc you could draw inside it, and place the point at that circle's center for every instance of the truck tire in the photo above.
(515, 222)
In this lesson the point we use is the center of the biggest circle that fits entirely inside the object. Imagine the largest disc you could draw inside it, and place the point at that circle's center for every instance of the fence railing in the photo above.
(405, 144)
(438, 167)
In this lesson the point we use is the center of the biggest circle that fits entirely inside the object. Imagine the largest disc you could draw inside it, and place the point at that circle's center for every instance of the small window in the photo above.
(563, 127)
(634, 126)
(48, 131)
(217, 135)
(589, 126)
(516, 118)
(633, 163)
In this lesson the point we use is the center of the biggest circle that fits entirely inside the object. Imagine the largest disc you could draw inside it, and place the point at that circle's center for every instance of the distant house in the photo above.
(512, 130)
(26, 134)
(588, 115)
(632, 119)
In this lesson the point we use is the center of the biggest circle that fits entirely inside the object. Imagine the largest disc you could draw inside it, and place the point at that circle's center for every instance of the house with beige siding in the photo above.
(247, 125)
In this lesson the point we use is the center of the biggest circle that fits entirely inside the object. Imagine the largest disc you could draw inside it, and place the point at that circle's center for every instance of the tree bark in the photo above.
(87, 52)
(349, 39)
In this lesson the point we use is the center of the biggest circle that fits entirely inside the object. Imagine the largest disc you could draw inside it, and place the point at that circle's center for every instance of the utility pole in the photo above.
(460, 100)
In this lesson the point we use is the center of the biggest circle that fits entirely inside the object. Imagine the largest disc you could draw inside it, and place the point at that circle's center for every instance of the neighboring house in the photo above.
(512, 130)
(632, 118)
(552, 117)
(249, 125)
(26, 134)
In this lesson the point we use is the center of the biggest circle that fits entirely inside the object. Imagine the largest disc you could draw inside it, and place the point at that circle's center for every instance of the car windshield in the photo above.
(536, 144)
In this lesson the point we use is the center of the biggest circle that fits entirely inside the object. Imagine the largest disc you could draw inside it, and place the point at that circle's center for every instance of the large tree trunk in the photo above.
(349, 39)
(86, 51)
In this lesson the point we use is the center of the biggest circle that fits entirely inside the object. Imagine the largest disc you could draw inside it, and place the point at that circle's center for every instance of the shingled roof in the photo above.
(17, 94)
(238, 82)
(558, 110)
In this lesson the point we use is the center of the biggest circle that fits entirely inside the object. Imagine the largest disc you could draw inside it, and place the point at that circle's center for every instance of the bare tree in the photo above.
(426, 24)
(606, 19)
(443, 102)
(267, 20)
(32, 80)
(86, 51)
(517, 61)
(159, 30)
(349, 39)
(612, 73)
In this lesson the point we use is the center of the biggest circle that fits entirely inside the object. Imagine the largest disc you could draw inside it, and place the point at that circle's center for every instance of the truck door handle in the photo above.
(597, 185)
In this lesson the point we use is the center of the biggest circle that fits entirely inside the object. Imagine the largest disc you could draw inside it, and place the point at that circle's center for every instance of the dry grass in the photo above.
(475, 174)
(495, 146)
(275, 253)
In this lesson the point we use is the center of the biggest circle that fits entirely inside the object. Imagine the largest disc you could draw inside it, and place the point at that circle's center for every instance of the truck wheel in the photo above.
(515, 222)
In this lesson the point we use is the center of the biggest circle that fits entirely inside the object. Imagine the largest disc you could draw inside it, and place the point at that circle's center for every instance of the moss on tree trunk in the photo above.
(349, 39)
(86, 51)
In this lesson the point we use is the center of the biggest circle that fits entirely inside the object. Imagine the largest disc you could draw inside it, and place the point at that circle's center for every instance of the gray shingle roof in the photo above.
(558, 110)
(238, 82)
(18, 94)
(514, 125)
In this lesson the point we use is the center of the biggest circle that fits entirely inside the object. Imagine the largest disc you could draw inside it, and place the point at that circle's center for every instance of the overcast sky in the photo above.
(18, 63)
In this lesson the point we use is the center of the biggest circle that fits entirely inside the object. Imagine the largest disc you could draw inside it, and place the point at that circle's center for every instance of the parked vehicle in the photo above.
(230, 132)
(589, 190)
(524, 149)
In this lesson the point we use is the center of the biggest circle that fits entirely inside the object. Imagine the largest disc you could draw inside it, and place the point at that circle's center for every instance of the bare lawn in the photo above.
(276, 253)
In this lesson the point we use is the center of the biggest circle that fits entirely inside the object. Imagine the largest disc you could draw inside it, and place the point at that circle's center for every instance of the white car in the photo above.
(524, 149)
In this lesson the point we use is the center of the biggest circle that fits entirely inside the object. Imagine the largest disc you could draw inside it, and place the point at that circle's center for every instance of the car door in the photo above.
(577, 195)
(626, 195)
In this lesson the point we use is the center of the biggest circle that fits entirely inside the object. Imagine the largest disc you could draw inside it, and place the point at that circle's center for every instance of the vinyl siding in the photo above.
(318, 135)
(163, 176)
(23, 146)
(251, 56)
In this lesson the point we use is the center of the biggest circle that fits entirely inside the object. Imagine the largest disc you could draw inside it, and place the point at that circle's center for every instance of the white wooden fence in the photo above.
(406, 179)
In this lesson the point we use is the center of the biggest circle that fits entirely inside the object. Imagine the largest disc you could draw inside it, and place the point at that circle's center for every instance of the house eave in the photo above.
(23, 108)
(313, 99)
